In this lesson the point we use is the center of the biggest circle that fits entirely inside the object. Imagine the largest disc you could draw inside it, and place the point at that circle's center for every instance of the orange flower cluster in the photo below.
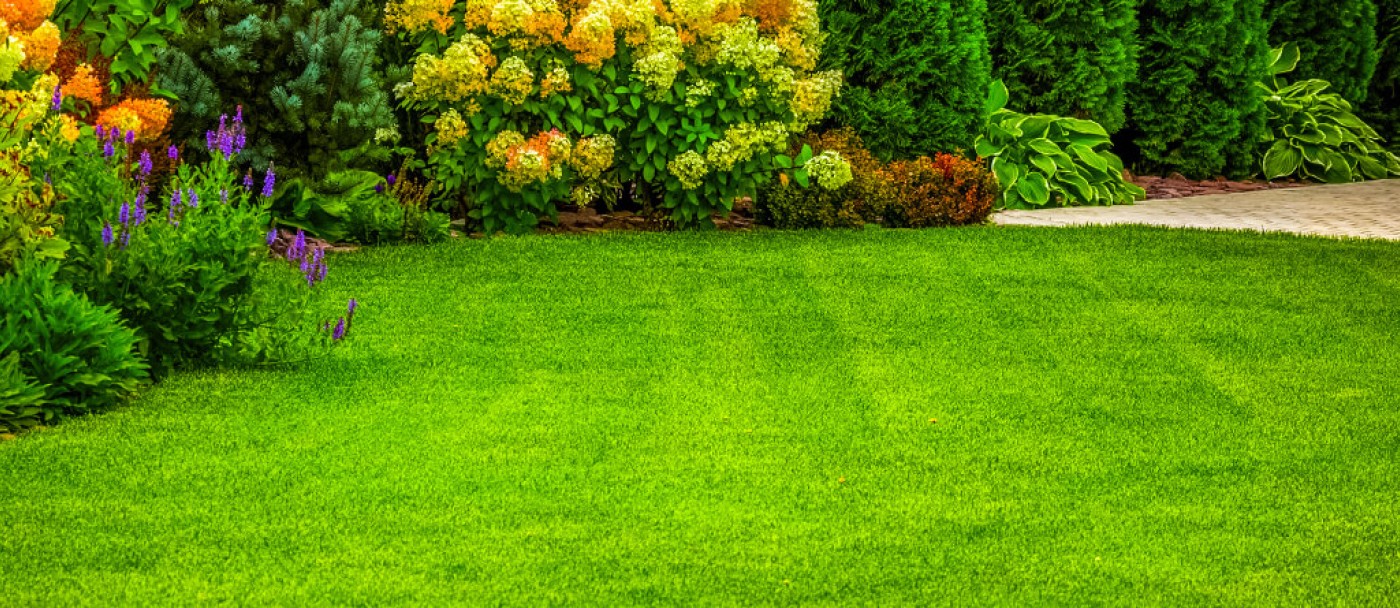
(537, 159)
(26, 15)
(148, 117)
(84, 85)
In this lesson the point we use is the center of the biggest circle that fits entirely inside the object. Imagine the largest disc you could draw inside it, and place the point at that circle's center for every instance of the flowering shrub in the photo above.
(786, 205)
(60, 355)
(538, 102)
(31, 128)
(188, 266)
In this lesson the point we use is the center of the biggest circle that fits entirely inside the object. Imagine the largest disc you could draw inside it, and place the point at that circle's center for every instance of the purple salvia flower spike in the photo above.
(58, 98)
(130, 137)
(271, 237)
(124, 214)
(107, 234)
(269, 182)
(145, 163)
(339, 330)
(173, 153)
(194, 198)
(108, 150)
(350, 308)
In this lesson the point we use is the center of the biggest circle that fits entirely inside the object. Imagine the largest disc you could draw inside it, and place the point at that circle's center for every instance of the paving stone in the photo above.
(1364, 210)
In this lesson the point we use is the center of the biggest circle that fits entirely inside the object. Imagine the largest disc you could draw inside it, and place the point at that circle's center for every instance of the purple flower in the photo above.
(271, 237)
(173, 153)
(379, 188)
(130, 137)
(138, 211)
(269, 181)
(392, 179)
(124, 215)
(101, 132)
(107, 234)
(240, 141)
(126, 238)
(223, 196)
(115, 133)
(238, 115)
(248, 180)
(350, 308)
(108, 150)
(145, 163)
(58, 98)
(324, 270)
(194, 198)
(339, 333)
(209, 140)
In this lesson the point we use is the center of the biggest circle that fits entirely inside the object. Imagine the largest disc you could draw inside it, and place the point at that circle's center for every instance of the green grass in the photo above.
(1124, 415)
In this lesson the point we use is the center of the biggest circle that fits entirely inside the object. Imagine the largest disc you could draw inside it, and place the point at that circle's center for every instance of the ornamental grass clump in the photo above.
(538, 102)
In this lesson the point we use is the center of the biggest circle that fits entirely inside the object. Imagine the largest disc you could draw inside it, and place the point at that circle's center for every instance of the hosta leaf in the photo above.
(1007, 172)
(1044, 146)
(997, 96)
(1035, 189)
(1281, 160)
(1089, 156)
(1044, 163)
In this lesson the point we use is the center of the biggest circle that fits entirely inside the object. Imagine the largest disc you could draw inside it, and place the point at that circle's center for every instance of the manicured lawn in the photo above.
(1123, 415)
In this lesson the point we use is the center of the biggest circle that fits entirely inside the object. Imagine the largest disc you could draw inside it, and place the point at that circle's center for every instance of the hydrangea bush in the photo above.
(538, 102)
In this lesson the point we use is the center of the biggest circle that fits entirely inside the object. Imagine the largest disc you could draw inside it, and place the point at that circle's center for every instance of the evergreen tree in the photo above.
(1194, 107)
(916, 71)
(1066, 57)
(1337, 41)
(1382, 107)
(304, 71)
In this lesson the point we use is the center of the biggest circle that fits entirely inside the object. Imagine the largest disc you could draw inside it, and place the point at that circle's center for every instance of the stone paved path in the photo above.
(1365, 210)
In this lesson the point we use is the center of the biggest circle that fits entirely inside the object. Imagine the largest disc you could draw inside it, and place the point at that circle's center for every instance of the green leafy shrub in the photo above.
(1067, 57)
(1336, 41)
(1316, 136)
(28, 225)
(191, 273)
(306, 68)
(129, 32)
(1194, 109)
(785, 204)
(945, 190)
(916, 71)
(542, 102)
(1042, 160)
(60, 355)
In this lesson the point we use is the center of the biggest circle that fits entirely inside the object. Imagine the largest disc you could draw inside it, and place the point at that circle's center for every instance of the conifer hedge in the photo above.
(1382, 107)
(1194, 107)
(1337, 40)
(916, 71)
(1066, 57)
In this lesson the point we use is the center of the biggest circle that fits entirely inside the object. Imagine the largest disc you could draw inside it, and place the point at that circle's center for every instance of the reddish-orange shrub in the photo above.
(946, 190)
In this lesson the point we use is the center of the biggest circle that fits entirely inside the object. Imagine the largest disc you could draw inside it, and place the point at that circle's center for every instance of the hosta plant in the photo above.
(538, 102)
(1315, 135)
(1051, 161)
